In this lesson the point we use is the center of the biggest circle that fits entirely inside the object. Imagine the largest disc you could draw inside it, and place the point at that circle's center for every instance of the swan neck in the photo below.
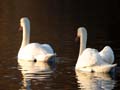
(83, 41)
(26, 35)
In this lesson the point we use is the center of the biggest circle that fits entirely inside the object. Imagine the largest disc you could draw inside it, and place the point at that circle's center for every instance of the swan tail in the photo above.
(48, 56)
(103, 68)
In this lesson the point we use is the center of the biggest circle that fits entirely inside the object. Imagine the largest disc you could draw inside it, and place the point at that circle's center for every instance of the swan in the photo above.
(89, 59)
(32, 51)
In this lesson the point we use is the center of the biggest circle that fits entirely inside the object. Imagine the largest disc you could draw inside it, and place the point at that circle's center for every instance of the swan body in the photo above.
(36, 51)
(32, 51)
(90, 60)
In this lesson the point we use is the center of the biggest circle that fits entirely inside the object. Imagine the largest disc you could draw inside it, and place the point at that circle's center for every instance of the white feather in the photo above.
(107, 54)
(90, 60)
(32, 51)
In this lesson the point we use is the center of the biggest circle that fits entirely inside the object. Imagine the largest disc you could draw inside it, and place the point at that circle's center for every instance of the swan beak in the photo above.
(20, 28)
(77, 39)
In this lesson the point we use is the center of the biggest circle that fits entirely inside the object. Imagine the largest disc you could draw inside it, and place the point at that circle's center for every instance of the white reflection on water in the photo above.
(94, 81)
(34, 70)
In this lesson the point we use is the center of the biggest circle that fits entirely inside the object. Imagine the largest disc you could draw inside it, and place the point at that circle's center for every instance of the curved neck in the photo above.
(83, 41)
(26, 35)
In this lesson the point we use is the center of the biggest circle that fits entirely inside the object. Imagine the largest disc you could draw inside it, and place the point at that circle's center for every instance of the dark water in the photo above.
(56, 22)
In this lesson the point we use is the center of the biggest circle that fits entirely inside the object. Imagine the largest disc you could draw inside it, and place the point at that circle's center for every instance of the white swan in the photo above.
(32, 51)
(90, 60)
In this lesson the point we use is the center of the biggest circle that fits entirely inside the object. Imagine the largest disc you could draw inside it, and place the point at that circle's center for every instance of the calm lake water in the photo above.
(56, 23)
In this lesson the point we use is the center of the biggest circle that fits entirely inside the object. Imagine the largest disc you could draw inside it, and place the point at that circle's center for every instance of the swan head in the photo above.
(82, 34)
(81, 31)
(25, 23)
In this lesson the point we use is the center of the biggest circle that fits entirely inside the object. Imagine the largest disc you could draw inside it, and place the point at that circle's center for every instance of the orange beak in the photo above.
(20, 28)
(77, 39)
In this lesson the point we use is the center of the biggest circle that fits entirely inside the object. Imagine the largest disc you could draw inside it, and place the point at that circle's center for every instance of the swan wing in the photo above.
(47, 47)
(30, 50)
(89, 57)
(35, 51)
(107, 54)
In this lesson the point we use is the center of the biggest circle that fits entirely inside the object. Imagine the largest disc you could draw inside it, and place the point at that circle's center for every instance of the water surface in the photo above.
(56, 23)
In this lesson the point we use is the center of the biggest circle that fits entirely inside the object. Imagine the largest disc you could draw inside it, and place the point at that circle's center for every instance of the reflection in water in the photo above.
(34, 70)
(94, 81)
(54, 22)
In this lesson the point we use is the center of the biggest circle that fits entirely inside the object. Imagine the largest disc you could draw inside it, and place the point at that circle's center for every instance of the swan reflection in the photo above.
(94, 81)
(34, 70)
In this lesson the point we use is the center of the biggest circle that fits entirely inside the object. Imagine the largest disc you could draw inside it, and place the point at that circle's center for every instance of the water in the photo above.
(56, 22)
